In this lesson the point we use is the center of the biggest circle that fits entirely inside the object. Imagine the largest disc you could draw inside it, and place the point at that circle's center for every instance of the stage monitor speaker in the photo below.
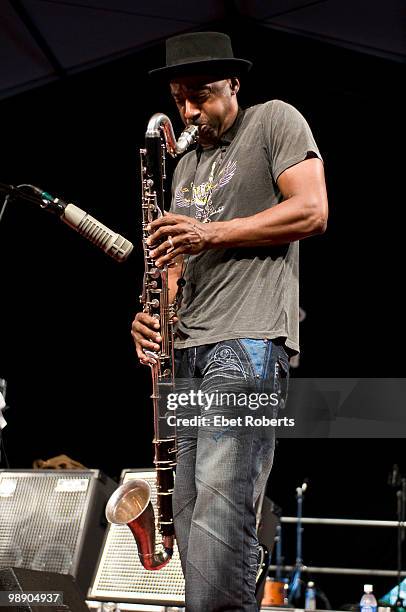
(53, 520)
(121, 577)
(23, 581)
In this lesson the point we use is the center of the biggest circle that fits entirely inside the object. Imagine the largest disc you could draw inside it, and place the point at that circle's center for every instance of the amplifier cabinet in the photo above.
(53, 520)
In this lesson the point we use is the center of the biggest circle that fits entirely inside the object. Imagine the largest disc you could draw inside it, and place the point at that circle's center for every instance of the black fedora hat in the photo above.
(200, 53)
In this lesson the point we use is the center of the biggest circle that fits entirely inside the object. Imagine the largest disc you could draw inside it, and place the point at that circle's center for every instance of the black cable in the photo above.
(3, 453)
(14, 192)
(324, 598)
(17, 193)
(3, 208)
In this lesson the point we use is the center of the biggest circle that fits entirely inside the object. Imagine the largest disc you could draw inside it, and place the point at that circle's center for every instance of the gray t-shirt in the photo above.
(241, 292)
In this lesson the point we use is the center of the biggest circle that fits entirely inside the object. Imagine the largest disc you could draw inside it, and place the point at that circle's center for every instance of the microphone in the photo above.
(394, 477)
(303, 488)
(111, 243)
(115, 245)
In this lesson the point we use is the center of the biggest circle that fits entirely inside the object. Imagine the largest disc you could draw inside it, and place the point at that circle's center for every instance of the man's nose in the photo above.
(192, 111)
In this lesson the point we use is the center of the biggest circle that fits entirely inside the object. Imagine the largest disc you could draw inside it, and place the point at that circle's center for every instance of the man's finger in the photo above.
(144, 359)
(166, 247)
(163, 232)
(146, 344)
(169, 219)
(145, 331)
(142, 318)
(169, 257)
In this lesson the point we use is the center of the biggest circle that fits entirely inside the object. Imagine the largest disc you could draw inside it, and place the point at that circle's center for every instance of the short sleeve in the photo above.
(288, 136)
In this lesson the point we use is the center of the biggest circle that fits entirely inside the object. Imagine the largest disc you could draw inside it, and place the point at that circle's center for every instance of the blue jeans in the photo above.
(222, 468)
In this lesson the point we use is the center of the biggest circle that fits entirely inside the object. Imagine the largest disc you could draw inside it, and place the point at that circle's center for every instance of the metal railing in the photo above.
(333, 521)
(341, 570)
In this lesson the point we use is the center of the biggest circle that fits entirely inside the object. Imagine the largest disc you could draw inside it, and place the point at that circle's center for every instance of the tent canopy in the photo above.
(44, 40)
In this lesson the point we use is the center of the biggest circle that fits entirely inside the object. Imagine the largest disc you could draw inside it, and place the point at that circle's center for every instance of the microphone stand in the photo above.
(7, 191)
(295, 581)
(278, 553)
(398, 482)
(401, 503)
(113, 244)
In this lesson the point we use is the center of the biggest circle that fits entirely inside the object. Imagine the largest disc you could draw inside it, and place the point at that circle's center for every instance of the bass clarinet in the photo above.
(131, 503)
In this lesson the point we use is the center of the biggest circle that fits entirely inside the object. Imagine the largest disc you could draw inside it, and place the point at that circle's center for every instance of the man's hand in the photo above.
(145, 332)
(179, 235)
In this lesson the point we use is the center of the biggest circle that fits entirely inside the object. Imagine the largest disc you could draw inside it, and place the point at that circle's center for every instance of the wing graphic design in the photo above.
(227, 174)
(201, 195)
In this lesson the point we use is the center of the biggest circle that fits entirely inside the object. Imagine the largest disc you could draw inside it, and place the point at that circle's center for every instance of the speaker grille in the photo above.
(121, 576)
(50, 520)
(41, 519)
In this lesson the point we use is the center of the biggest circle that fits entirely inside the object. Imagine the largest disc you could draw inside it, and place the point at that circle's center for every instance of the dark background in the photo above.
(74, 385)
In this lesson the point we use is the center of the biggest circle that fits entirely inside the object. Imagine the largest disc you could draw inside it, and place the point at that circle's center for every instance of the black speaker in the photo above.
(53, 520)
(25, 582)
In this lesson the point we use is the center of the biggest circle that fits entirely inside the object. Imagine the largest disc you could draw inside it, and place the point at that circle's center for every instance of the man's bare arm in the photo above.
(302, 213)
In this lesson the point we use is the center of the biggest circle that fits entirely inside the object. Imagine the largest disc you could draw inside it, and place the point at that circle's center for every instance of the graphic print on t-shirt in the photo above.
(202, 195)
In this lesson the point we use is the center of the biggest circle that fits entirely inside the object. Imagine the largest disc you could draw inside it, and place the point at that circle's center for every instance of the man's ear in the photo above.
(234, 85)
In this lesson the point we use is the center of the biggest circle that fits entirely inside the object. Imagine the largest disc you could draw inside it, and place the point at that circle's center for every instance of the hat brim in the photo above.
(212, 67)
